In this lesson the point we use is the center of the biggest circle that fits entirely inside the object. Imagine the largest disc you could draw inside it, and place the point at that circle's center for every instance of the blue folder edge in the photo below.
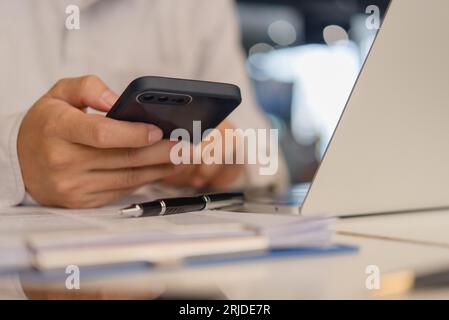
(121, 269)
(274, 254)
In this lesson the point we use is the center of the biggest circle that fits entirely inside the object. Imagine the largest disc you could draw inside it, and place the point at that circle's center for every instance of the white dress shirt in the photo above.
(118, 41)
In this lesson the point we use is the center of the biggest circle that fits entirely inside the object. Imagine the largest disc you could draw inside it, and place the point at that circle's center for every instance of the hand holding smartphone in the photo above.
(175, 103)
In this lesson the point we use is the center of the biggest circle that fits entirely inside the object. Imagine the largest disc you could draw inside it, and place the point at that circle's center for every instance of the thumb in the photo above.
(82, 92)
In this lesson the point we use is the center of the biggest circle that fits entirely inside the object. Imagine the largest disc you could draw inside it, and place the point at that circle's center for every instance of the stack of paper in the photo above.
(19, 222)
(285, 230)
(171, 239)
(52, 238)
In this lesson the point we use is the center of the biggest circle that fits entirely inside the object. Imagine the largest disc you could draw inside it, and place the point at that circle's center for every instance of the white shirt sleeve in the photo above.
(12, 190)
(223, 60)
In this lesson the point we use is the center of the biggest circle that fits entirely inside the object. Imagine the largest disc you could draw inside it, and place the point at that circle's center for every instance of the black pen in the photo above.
(162, 207)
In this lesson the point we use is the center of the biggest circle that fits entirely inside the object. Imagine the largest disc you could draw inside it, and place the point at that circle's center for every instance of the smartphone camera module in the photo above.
(162, 99)
(146, 98)
(166, 98)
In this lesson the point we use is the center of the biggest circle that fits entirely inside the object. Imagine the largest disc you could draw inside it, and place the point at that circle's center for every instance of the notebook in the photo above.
(49, 239)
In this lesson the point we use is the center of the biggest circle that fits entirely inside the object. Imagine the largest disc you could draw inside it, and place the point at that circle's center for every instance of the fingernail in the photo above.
(109, 98)
(154, 135)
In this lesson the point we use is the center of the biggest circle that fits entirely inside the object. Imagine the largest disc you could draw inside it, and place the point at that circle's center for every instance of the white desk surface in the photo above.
(329, 277)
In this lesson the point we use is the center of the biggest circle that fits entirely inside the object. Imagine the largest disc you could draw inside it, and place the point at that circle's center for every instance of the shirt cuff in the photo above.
(12, 188)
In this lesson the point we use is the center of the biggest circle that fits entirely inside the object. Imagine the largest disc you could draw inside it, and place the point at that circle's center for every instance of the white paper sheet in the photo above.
(48, 229)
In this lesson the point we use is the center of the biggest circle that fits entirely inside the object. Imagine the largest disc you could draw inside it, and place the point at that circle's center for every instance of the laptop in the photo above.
(390, 150)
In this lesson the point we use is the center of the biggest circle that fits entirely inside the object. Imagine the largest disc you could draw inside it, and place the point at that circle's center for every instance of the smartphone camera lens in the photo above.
(178, 100)
(162, 98)
(145, 98)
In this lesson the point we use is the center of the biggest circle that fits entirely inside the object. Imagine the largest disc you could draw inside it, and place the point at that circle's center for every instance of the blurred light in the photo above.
(260, 48)
(282, 32)
(333, 34)
(257, 53)
(323, 77)
(363, 36)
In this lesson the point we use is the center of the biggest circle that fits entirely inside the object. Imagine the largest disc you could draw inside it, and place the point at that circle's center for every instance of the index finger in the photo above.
(101, 132)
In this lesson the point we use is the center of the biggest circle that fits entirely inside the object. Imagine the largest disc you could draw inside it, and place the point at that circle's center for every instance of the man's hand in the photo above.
(73, 159)
(209, 175)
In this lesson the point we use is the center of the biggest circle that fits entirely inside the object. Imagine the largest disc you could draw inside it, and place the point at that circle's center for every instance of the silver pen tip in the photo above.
(131, 211)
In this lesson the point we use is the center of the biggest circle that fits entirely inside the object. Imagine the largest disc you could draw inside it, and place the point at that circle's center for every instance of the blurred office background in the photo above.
(304, 57)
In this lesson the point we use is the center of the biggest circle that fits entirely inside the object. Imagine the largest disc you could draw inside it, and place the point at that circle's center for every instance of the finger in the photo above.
(205, 174)
(109, 180)
(101, 132)
(181, 179)
(119, 158)
(82, 92)
(99, 199)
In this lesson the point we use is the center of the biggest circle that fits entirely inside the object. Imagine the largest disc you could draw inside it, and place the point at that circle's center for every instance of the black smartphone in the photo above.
(171, 103)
